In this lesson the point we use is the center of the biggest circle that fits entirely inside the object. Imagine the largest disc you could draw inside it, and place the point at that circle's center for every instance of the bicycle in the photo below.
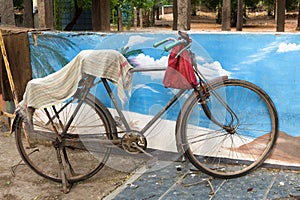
(217, 129)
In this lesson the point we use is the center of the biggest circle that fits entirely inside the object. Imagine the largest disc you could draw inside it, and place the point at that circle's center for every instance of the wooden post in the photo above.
(7, 67)
(1, 109)
(9, 74)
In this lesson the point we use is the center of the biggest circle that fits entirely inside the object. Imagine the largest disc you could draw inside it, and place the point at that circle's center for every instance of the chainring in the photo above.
(133, 139)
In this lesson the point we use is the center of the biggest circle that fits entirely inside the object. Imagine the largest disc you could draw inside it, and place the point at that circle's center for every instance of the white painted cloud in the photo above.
(146, 87)
(287, 47)
(212, 70)
(200, 58)
(145, 61)
(261, 54)
(137, 39)
(209, 70)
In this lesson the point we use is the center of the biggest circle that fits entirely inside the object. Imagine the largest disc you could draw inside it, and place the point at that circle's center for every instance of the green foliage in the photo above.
(18, 4)
(214, 4)
(127, 6)
(83, 4)
(291, 5)
(211, 4)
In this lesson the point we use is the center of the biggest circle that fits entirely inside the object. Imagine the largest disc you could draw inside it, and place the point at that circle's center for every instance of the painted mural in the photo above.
(269, 60)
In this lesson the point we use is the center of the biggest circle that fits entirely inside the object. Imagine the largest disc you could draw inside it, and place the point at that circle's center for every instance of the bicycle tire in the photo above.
(228, 154)
(38, 150)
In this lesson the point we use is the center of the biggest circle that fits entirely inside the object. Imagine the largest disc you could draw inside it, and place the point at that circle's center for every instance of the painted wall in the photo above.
(269, 60)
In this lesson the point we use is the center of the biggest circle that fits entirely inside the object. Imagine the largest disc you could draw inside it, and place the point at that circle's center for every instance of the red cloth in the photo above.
(180, 73)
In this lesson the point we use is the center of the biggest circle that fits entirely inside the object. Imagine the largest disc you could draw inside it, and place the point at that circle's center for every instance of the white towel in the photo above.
(59, 86)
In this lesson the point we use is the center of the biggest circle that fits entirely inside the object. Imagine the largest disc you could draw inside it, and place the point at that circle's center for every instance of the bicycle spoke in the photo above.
(81, 151)
(240, 134)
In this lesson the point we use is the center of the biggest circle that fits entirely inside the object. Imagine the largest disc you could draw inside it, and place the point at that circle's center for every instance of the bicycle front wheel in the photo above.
(242, 135)
(79, 148)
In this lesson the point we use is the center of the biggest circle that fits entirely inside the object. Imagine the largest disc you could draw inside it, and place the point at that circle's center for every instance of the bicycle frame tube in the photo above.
(163, 110)
(153, 120)
(112, 97)
(85, 91)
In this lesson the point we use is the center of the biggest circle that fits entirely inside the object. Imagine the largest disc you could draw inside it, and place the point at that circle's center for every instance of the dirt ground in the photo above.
(206, 21)
(20, 182)
(256, 22)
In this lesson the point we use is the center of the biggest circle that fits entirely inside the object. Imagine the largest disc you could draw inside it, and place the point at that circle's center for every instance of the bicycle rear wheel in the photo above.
(80, 146)
(242, 144)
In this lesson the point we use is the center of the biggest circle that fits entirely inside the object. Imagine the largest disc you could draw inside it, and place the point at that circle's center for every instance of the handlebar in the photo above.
(162, 42)
(172, 45)
(184, 39)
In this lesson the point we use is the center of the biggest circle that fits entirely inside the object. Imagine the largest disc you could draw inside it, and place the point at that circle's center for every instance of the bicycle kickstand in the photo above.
(66, 186)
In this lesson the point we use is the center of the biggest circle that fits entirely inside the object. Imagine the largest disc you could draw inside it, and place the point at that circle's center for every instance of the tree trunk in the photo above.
(135, 19)
(120, 19)
(152, 16)
(49, 16)
(280, 15)
(76, 16)
(175, 15)
(184, 14)
(298, 24)
(157, 12)
(239, 21)
(7, 16)
(226, 15)
(141, 18)
(28, 14)
(57, 15)
(46, 13)
(101, 15)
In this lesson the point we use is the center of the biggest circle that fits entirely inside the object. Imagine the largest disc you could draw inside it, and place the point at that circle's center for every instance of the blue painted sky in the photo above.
(268, 60)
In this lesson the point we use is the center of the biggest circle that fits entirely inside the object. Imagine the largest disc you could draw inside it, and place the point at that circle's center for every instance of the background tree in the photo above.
(101, 15)
(78, 6)
(239, 22)
(280, 15)
(28, 14)
(298, 24)
(175, 15)
(7, 12)
(226, 15)
(46, 13)
(184, 14)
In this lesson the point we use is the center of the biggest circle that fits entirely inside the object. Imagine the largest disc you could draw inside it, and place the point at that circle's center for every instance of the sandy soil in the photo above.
(256, 22)
(19, 182)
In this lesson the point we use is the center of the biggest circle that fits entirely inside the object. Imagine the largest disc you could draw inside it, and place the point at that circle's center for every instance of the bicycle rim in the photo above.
(36, 144)
(223, 153)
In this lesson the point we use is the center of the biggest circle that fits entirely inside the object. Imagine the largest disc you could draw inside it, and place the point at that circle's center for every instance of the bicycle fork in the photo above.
(203, 94)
